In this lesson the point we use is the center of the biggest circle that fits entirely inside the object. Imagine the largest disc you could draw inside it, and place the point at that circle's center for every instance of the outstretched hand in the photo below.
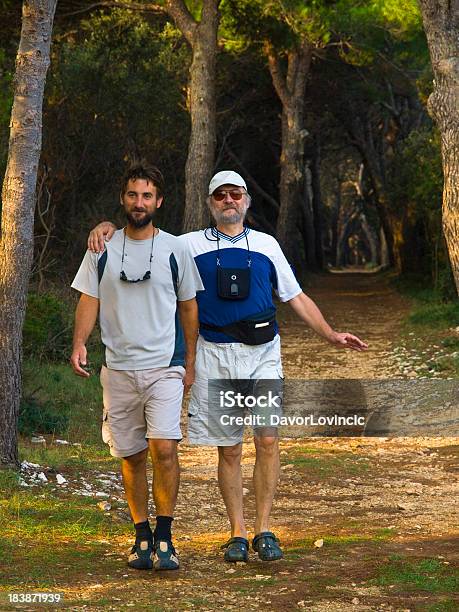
(346, 340)
(99, 235)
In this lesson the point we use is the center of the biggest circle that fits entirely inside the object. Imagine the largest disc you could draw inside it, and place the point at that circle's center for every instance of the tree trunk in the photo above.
(363, 139)
(366, 228)
(384, 253)
(441, 23)
(335, 217)
(202, 37)
(371, 238)
(309, 238)
(291, 89)
(317, 203)
(18, 198)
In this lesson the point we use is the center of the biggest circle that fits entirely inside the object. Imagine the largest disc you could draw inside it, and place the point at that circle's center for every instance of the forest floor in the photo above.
(365, 524)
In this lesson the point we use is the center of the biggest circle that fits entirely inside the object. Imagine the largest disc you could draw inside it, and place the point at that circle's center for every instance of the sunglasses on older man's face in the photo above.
(234, 194)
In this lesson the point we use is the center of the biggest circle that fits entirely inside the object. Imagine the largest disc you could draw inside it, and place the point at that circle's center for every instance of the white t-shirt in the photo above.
(139, 321)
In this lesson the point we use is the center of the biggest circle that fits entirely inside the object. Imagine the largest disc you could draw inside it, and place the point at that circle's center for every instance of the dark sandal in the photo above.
(237, 549)
(267, 546)
(141, 554)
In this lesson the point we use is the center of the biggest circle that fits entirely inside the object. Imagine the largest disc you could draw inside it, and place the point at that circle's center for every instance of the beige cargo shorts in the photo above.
(139, 405)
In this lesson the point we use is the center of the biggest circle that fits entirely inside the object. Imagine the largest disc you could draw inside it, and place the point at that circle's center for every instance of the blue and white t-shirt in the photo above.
(269, 270)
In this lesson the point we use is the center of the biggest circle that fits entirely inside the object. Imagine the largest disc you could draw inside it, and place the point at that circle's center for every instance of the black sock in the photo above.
(143, 532)
(163, 528)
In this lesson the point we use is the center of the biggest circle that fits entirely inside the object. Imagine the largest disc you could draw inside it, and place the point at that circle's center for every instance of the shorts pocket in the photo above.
(198, 396)
(106, 437)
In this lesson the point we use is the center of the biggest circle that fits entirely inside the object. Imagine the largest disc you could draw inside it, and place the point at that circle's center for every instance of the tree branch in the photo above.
(183, 18)
(209, 9)
(292, 70)
(134, 6)
(277, 77)
(302, 70)
(252, 181)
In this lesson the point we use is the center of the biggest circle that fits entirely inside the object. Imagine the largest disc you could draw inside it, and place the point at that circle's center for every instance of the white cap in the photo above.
(226, 177)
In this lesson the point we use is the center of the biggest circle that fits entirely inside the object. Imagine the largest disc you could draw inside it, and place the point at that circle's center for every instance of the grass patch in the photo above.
(9, 482)
(435, 315)
(49, 540)
(445, 605)
(426, 575)
(58, 457)
(71, 406)
(325, 465)
(451, 342)
(307, 544)
(197, 602)
(307, 450)
(431, 308)
(40, 519)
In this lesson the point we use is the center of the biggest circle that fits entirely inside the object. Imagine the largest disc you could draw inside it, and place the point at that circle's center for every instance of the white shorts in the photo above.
(140, 404)
(232, 360)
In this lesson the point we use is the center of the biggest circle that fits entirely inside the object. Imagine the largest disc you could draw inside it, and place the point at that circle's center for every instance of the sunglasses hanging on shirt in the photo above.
(147, 274)
(233, 283)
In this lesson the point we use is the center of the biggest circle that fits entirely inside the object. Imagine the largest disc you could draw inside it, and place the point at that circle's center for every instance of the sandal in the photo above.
(165, 557)
(237, 549)
(141, 554)
(267, 546)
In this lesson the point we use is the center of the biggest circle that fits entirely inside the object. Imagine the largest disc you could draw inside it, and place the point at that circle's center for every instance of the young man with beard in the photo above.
(139, 285)
(239, 340)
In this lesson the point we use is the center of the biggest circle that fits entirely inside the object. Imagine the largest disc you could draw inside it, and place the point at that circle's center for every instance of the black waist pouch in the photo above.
(248, 332)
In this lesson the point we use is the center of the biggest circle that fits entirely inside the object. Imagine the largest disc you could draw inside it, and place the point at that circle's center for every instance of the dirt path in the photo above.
(366, 524)
(362, 304)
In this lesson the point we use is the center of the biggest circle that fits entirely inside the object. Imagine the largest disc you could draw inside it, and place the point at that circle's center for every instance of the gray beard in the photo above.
(235, 217)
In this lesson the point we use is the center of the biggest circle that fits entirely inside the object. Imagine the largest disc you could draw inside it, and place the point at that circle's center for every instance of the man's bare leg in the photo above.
(265, 478)
(166, 475)
(230, 482)
(134, 471)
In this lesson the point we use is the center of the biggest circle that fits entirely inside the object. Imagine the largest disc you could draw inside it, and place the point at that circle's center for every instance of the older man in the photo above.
(239, 339)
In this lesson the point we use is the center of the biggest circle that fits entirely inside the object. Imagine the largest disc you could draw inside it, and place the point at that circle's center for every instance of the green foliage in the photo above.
(451, 342)
(56, 386)
(6, 89)
(47, 327)
(416, 176)
(116, 90)
(383, 35)
(280, 24)
(415, 183)
(37, 418)
(424, 293)
(436, 315)
(6, 101)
